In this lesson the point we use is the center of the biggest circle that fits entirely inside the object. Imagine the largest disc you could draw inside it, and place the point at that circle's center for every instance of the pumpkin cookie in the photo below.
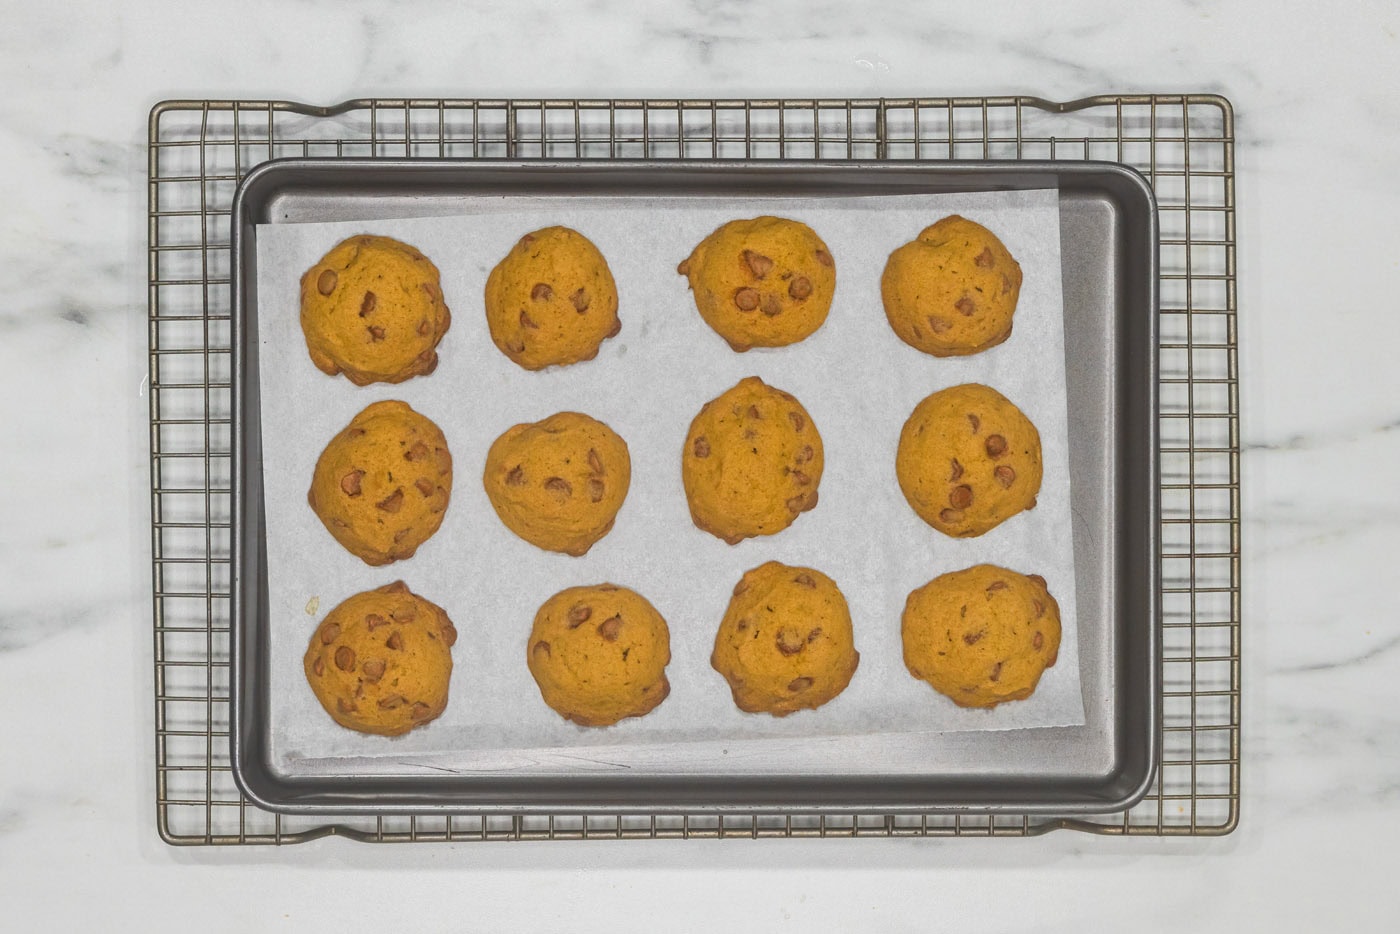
(558, 483)
(372, 308)
(552, 300)
(382, 485)
(381, 661)
(785, 642)
(752, 462)
(981, 636)
(599, 654)
(952, 291)
(968, 460)
(765, 282)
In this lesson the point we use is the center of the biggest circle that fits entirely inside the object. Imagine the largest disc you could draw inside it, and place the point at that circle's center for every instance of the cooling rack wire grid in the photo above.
(199, 150)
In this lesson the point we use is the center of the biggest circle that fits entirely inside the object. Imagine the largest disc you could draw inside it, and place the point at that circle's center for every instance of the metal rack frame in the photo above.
(199, 150)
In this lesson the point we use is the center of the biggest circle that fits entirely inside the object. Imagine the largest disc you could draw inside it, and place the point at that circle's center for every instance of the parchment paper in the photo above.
(858, 381)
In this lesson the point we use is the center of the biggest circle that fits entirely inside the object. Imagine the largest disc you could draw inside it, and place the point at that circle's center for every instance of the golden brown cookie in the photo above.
(381, 661)
(382, 485)
(952, 291)
(765, 282)
(785, 642)
(752, 462)
(968, 460)
(558, 483)
(599, 654)
(372, 308)
(552, 300)
(981, 636)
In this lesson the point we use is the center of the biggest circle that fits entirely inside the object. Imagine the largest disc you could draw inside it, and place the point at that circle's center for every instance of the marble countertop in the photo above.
(1318, 271)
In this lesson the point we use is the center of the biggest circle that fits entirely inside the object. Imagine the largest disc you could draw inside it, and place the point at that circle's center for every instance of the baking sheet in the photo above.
(855, 378)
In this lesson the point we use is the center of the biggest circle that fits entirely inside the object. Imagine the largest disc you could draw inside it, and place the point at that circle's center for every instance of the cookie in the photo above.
(765, 282)
(785, 642)
(952, 291)
(752, 462)
(381, 661)
(372, 308)
(558, 483)
(981, 636)
(552, 301)
(383, 483)
(599, 654)
(968, 460)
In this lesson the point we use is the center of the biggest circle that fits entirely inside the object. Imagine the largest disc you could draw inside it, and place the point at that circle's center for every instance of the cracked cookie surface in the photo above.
(763, 282)
(981, 636)
(552, 300)
(383, 483)
(372, 308)
(381, 661)
(953, 290)
(752, 462)
(785, 643)
(558, 483)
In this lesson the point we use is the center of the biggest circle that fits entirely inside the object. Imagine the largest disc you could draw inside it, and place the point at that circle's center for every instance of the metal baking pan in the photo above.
(1109, 255)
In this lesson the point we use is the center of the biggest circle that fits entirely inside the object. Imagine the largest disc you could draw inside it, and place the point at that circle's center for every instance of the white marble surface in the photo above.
(1314, 89)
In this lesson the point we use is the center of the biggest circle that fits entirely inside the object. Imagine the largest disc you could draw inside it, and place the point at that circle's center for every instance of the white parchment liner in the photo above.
(858, 381)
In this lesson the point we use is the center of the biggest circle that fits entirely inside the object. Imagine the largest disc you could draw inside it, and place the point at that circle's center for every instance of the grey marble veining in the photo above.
(1377, 652)
(1317, 192)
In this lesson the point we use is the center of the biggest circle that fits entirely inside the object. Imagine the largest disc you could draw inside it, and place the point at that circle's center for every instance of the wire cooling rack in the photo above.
(199, 150)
